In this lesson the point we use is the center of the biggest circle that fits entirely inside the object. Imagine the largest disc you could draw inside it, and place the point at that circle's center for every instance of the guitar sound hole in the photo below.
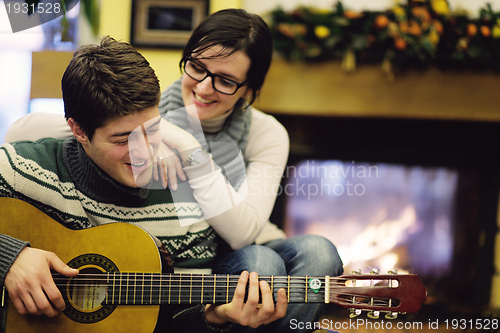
(85, 293)
(88, 290)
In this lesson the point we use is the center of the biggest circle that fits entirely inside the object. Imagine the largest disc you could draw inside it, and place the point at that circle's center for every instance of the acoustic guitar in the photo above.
(121, 286)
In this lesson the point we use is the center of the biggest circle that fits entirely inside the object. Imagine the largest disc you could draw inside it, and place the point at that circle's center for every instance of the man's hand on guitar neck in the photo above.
(31, 286)
(250, 313)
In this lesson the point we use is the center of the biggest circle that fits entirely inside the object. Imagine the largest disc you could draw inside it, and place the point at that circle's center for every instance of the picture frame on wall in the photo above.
(165, 23)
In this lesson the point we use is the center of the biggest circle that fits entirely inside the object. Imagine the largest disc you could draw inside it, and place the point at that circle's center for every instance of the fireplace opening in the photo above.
(382, 216)
(417, 195)
(379, 216)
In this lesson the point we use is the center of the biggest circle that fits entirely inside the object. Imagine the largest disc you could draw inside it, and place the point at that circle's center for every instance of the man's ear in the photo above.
(78, 132)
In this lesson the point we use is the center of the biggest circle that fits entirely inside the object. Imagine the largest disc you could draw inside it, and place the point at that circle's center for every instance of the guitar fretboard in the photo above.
(155, 289)
(388, 293)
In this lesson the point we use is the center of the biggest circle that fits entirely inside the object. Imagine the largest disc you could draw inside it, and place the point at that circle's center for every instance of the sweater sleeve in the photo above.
(9, 247)
(239, 217)
(9, 250)
(35, 126)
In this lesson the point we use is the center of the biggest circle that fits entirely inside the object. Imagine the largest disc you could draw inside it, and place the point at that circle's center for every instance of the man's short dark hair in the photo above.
(106, 81)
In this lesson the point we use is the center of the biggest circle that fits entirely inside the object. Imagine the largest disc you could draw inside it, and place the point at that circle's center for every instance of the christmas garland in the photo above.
(419, 34)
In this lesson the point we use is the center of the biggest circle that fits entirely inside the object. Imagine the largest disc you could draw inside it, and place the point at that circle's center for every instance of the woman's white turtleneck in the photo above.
(213, 125)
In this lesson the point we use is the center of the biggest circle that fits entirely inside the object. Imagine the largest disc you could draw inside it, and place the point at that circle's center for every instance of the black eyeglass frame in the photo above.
(212, 76)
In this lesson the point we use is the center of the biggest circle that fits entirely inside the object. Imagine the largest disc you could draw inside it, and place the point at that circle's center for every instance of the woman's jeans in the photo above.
(306, 255)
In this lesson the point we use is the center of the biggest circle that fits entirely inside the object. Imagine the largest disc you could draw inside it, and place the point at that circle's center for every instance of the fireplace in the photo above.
(452, 167)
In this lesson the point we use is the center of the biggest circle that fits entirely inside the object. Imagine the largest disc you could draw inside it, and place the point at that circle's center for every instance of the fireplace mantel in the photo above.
(323, 89)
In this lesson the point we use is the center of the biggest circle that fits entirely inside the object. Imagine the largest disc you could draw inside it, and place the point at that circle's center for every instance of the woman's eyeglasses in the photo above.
(199, 73)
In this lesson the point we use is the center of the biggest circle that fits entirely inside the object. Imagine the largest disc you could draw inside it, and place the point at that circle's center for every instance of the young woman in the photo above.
(224, 66)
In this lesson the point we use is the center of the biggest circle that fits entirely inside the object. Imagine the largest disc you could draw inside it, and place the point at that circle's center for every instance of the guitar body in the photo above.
(137, 252)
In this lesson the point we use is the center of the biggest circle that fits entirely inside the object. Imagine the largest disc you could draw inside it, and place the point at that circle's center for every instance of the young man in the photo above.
(102, 175)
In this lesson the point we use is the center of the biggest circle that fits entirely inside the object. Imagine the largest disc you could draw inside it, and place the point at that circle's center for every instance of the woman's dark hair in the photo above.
(106, 81)
(235, 30)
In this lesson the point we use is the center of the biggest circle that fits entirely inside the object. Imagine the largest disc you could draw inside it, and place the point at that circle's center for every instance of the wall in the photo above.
(115, 21)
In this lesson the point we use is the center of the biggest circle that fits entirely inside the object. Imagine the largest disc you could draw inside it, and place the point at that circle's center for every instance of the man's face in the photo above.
(125, 146)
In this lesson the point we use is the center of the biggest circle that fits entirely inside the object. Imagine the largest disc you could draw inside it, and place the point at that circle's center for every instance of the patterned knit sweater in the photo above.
(57, 177)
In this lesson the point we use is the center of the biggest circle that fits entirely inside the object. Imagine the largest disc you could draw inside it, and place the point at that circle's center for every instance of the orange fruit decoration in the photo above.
(381, 21)
(403, 27)
(414, 28)
(471, 29)
(485, 31)
(438, 26)
(351, 14)
(400, 44)
(422, 13)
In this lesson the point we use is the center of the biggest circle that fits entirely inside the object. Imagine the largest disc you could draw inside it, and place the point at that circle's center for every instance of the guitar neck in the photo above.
(156, 289)
(390, 293)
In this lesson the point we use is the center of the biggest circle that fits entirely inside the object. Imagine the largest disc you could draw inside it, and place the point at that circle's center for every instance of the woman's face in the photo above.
(209, 102)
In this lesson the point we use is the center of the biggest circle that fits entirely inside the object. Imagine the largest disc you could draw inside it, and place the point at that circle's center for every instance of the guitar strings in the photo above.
(157, 299)
(153, 280)
(194, 277)
(128, 282)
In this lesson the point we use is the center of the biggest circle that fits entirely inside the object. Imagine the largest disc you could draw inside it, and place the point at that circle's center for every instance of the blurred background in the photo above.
(394, 147)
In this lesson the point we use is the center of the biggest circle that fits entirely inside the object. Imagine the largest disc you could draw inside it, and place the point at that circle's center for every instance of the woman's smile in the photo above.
(202, 100)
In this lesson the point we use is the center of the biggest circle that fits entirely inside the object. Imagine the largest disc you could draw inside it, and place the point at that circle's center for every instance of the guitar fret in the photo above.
(227, 289)
(288, 292)
(115, 296)
(190, 288)
(306, 290)
(134, 289)
(215, 280)
(202, 285)
(142, 289)
(114, 288)
(149, 288)
(272, 284)
(121, 289)
(160, 291)
(169, 287)
(121, 295)
(180, 288)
